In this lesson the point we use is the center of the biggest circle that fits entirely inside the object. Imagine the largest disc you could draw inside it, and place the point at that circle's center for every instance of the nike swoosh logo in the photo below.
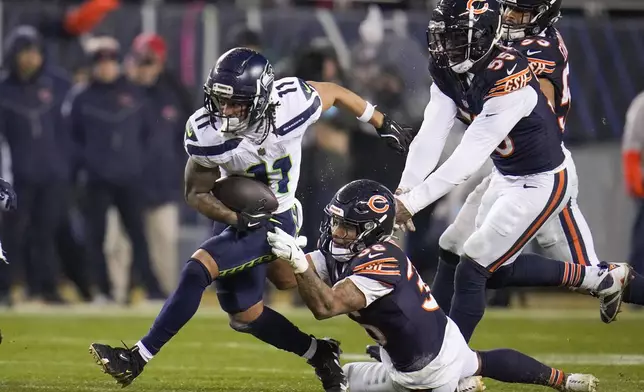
(526, 186)
(491, 114)
(372, 255)
(123, 357)
(530, 52)
(511, 71)
(253, 224)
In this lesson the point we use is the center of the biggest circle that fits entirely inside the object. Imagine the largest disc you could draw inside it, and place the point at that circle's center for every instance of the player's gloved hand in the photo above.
(286, 247)
(247, 221)
(8, 198)
(397, 136)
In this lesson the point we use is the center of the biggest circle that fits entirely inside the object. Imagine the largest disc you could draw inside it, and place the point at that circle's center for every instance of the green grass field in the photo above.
(47, 350)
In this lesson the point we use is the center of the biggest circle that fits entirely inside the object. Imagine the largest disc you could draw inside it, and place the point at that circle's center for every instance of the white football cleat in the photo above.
(471, 384)
(611, 290)
(577, 382)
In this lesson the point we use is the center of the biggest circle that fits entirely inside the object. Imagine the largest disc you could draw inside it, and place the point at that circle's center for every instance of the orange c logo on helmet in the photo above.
(476, 8)
(378, 204)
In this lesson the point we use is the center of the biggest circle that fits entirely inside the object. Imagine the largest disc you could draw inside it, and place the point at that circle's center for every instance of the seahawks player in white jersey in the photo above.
(250, 125)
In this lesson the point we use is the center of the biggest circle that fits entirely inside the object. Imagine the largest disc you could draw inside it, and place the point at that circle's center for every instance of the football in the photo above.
(245, 194)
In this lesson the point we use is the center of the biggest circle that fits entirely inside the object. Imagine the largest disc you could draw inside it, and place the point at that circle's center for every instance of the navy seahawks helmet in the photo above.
(463, 32)
(244, 78)
(364, 204)
(536, 16)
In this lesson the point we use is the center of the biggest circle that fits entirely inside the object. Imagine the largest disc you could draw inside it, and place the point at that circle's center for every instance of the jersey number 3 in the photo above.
(430, 303)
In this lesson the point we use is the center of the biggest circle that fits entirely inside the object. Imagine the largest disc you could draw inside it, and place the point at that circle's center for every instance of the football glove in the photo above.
(397, 136)
(8, 198)
(247, 221)
(286, 247)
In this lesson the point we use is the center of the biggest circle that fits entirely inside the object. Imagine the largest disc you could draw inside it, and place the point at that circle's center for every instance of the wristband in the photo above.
(368, 113)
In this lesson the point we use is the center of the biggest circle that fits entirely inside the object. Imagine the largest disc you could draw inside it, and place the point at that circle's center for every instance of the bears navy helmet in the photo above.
(241, 78)
(526, 18)
(461, 33)
(364, 204)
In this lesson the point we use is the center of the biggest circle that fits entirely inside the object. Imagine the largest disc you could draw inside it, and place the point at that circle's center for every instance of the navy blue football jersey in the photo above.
(548, 57)
(534, 144)
(407, 322)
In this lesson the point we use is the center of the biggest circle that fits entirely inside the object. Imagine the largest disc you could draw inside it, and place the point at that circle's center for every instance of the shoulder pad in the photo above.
(507, 72)
(384, 262)
(300, 105)
(543, 53)
(204, 144)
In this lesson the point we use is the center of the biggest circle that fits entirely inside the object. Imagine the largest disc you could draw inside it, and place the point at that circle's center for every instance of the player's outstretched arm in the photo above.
(326, 302)
(199, 181)
(323, 301)
(489, 129)
(428, 145)
(396, 135)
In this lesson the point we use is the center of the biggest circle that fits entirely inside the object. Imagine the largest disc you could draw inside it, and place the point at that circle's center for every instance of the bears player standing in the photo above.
(360, 272)
(250, 125)
(528, 26)
(492, 87)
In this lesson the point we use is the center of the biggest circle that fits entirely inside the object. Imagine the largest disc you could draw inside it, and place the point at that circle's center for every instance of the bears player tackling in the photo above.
(528, 26)
(493, 88)
(360, 272)
(250, 125)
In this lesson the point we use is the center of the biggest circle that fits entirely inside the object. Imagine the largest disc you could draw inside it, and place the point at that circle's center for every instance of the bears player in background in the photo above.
(494, 88)
(360, 272)
(250, 125)
(528, 26)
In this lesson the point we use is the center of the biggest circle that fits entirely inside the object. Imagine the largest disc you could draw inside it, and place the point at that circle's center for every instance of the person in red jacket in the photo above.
(632, 147)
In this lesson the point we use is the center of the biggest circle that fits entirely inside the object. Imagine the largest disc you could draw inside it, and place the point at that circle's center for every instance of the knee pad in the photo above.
(452, 240)
(239, 326)
(478, 247)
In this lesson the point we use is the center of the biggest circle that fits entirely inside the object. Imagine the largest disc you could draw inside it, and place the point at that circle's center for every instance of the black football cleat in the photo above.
(326, 362)
(123, 364)
(374, 352)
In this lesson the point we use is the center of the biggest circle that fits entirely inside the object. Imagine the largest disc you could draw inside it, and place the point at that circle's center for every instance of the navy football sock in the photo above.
(179, 307)
(469, 300)
(533, 270)
(443, 285)
(514, 367)
(634, 293)
(276, 330)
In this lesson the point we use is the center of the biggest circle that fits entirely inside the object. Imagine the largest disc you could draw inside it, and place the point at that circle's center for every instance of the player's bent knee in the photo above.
(451, 240)
(478, 248)
(241, 321)
(206, 259)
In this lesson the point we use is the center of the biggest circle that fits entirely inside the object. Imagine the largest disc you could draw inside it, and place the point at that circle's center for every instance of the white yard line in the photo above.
(558, 359)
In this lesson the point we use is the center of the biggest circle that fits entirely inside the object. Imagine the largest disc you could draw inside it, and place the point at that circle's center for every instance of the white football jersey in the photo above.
(276, 161)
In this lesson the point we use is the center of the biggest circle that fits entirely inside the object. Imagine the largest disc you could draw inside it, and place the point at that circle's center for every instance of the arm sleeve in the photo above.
(491, 126)
(372, 289)
(426, 149)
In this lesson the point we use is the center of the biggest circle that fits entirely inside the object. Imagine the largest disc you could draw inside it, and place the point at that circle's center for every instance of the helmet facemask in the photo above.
(248, 115)
(461, 45)
(525, 21)
(363, 235)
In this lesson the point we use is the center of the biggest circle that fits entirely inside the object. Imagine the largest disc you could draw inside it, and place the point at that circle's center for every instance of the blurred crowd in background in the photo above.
(92, 129)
